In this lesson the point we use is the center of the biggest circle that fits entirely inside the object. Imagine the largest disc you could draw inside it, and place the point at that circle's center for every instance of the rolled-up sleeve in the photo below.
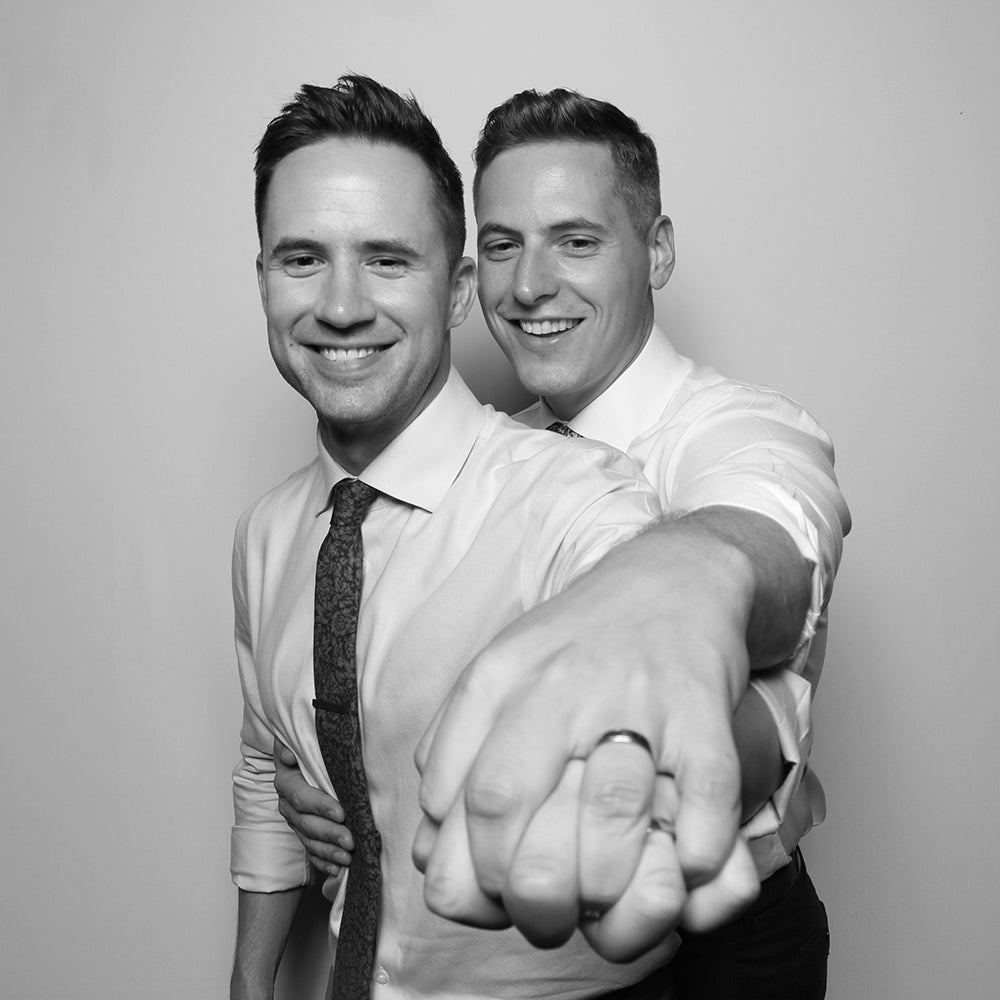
(266, 856)
(752, 448)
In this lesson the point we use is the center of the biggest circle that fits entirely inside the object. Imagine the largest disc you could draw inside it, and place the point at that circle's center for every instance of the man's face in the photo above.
(564, 278)
(356, 287)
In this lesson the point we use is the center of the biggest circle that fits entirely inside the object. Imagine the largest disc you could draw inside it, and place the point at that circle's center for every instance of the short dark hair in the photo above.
(359, 107)
(567, 116)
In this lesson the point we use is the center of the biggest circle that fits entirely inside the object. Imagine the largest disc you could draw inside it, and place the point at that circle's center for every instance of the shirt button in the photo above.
(381, 977)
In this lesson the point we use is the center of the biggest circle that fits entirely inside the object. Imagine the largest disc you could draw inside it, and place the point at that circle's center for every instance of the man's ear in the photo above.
(660, 240)
(260, 280)
(463, 291)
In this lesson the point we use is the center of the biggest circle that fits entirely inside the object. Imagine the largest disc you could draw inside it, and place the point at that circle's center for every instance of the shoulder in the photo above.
(704, 397)
(553, 455)
(552, 480)
(288, 500)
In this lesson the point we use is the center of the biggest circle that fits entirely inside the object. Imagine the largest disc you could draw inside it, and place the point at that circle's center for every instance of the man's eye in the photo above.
(302, 263)
(499, 249)
(580, 244)
(388, 265)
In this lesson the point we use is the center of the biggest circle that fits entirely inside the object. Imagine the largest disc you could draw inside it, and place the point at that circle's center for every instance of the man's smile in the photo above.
(547, 327)
(338, 354)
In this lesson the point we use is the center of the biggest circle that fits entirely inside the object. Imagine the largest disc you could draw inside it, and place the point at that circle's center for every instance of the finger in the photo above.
(518, 766)
(423, 842)
(707, 773)
(327, 857)
(729, 893)
(542, 889)
(649, 907)
(310, 827)
(423, 751)
(450, 886)
(450, 744)
(615, 801)
(283, 757)
(329, 860)
(294, 791)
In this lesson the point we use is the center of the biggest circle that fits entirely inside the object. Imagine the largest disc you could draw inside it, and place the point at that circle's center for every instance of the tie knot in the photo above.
(351, 499)
(560, 428)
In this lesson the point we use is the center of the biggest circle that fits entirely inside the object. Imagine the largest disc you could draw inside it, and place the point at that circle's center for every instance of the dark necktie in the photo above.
(335, 629)
(560, 428)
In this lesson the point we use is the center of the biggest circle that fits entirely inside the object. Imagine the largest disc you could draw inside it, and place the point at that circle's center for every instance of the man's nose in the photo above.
(534, 277)
(344, 300)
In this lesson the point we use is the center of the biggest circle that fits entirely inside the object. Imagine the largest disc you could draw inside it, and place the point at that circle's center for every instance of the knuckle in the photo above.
(432, 803)
(536, 877)
(660, 895)
(617, 798)
(492, 796)
(443, 894)
(700, 863)
(716, 781)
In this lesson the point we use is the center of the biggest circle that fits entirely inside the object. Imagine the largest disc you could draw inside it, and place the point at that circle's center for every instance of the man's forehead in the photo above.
(351, 180)
(354, 161)
(554, 180)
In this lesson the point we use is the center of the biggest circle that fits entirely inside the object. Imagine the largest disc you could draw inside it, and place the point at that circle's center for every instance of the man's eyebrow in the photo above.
(577, 224)
(391, 248)
(303, 244)
(580, 223)
(295, 244)
(494, 229)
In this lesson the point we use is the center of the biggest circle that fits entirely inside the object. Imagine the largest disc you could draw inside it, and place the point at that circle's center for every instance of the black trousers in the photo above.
(777, 950)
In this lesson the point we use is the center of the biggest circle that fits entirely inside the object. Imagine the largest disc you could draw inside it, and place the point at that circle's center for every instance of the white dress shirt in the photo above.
(703, 440)
(478, 519)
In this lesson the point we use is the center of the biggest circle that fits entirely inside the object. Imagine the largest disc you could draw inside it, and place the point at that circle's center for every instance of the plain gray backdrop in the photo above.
(831, 170)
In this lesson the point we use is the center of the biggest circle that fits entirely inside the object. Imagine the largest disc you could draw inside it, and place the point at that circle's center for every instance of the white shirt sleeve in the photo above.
(266, 856)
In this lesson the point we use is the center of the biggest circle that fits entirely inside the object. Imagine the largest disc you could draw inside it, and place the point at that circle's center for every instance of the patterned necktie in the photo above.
(560, 428)
(335, 628)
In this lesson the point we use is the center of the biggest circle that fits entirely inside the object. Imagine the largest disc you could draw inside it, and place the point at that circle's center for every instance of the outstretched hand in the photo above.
(530, 820)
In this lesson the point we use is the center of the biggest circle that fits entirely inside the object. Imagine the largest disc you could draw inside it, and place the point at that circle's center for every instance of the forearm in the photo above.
(263, 925)
(771, 590)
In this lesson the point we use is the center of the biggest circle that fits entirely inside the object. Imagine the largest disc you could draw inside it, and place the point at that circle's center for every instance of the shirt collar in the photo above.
(419, 465)
(634, 401)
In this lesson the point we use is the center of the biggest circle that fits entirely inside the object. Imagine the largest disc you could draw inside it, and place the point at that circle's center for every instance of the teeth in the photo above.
(545, 327)
(346, 353)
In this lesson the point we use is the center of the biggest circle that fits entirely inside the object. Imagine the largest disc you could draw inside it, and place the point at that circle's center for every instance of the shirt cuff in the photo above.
(773, 831)
(268, 858)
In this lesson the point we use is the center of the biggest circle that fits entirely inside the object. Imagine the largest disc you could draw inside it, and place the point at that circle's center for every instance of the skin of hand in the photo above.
(591, 853)
(660, 642)
(316, 818)
(308, 811)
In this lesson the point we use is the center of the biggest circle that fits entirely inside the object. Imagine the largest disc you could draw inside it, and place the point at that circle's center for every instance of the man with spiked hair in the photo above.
(366, 582)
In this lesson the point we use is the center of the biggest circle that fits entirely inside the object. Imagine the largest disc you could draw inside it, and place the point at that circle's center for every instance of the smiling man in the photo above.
(366, 582)
(572, 244)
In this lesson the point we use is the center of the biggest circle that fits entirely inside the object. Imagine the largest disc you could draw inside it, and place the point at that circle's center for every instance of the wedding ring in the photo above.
(591, 914)
(660, 823)
(625, 736)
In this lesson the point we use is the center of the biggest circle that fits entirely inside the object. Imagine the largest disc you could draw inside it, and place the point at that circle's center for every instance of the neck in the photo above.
(568, 404)
(355, 446)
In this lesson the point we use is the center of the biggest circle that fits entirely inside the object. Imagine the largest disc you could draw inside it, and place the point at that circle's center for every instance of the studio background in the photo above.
(831, 170)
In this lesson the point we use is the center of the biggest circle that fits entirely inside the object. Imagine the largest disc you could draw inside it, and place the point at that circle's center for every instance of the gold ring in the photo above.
(625, 736)
(661, 824)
